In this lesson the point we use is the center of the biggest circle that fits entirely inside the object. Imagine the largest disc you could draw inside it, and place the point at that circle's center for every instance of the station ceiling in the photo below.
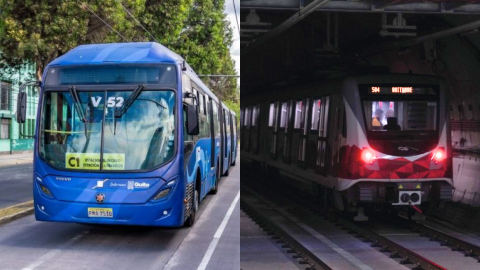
(328, 33)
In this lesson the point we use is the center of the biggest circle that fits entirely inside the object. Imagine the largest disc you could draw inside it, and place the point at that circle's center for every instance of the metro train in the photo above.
(376, 142)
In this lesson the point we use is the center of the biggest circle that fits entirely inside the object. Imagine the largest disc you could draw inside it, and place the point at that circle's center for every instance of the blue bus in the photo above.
(127, 134)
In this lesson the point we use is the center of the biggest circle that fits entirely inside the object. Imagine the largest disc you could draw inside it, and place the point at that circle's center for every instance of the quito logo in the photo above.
(403, 148)
(100, 197)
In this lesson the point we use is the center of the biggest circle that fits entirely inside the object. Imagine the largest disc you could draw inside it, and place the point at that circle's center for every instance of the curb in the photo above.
(14, 212)
(19, 162)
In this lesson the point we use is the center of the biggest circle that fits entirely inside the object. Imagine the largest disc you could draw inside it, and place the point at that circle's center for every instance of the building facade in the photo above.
(16, 137)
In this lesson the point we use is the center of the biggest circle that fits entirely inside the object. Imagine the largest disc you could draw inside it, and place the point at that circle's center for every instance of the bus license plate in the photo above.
(100, 212)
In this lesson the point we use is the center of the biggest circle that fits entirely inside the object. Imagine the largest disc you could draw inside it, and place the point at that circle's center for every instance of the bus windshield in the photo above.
(141, 138)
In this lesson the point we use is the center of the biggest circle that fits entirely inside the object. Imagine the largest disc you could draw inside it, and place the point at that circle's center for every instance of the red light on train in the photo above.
(438, 155)
(368, 156)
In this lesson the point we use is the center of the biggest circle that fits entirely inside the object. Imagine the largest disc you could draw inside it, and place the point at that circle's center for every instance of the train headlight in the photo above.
(368, 155)
(438, 155)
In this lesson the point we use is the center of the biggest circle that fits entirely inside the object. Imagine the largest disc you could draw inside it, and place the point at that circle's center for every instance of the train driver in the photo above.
(376, 121)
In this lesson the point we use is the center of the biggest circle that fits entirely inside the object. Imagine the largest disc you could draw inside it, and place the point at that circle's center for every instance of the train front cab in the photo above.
(400, 155)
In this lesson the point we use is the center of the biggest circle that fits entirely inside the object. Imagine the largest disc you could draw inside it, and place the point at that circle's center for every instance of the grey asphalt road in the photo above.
(16, 184)
(27, 244)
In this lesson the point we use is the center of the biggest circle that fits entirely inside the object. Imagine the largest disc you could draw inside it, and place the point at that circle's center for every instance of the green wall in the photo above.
(16, 77)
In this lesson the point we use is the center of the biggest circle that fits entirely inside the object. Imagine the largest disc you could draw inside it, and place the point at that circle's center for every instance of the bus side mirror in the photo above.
(21, 107)
(192, 120)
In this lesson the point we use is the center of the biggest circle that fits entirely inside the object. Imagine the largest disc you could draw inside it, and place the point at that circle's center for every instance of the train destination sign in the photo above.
(399, 90)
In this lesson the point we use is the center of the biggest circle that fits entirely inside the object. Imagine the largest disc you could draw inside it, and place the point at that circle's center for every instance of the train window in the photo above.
(247, 117)
(316, 111)
(284, 115)
(255, 113)
(298, 123)
(271, 115)
(401, 115)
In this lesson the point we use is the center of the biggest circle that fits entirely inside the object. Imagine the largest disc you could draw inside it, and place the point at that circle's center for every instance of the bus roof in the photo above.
(125, 53)
(121, 53)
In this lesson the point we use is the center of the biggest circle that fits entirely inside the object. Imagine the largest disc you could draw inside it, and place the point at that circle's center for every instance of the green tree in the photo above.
(39, 31)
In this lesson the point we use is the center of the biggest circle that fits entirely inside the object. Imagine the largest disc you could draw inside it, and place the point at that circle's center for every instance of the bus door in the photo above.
(322, 135)
(232, 137)
(254, 131)
(272, 133)
(235, 138)
(212, 136)
(226, 141)
(287, 111)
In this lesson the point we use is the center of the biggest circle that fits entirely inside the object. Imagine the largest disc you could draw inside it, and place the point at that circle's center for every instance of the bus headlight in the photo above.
(162, 194)
(45, 190)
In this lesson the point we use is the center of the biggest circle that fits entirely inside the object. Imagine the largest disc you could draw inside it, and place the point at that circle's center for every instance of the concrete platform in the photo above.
(259, 252)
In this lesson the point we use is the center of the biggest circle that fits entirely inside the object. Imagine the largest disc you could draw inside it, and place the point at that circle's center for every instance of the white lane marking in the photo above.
(218, 234)
(345, 254)
(53, 253)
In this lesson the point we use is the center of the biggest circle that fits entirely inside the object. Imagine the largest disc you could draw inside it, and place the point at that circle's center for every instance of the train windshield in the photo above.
(388, 115)
(77, 133)
(398, 118)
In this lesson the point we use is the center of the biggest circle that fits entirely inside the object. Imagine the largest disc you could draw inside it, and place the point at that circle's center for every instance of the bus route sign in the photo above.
(91, 161)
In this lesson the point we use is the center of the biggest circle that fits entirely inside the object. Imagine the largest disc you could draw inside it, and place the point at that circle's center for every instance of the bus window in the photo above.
(200, 100)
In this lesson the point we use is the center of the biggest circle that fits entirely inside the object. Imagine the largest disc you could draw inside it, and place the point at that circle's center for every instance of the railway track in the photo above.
(405, 255)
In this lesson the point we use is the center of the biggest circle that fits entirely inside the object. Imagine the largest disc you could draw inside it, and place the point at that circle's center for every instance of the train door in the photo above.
(287, 137)
(254, 131)
(272, 133)
(320, 120)
(247, 118)
(338, 128)
(301, 126)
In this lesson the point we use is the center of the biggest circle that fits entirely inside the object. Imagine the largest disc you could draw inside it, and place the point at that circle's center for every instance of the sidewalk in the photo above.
(14, 159)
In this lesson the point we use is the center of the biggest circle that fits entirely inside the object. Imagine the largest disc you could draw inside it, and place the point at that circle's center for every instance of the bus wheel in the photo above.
(191, 219)
(233, 163)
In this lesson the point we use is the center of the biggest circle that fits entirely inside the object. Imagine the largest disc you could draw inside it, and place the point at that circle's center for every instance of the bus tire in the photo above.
(233, 163)
(191, 219)
(214, 190)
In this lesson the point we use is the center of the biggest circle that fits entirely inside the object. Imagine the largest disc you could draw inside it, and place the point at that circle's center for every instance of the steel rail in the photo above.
(445, 239)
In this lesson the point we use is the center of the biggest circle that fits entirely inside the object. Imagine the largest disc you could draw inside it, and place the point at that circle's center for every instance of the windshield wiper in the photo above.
(78, 106)
(129, 101)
